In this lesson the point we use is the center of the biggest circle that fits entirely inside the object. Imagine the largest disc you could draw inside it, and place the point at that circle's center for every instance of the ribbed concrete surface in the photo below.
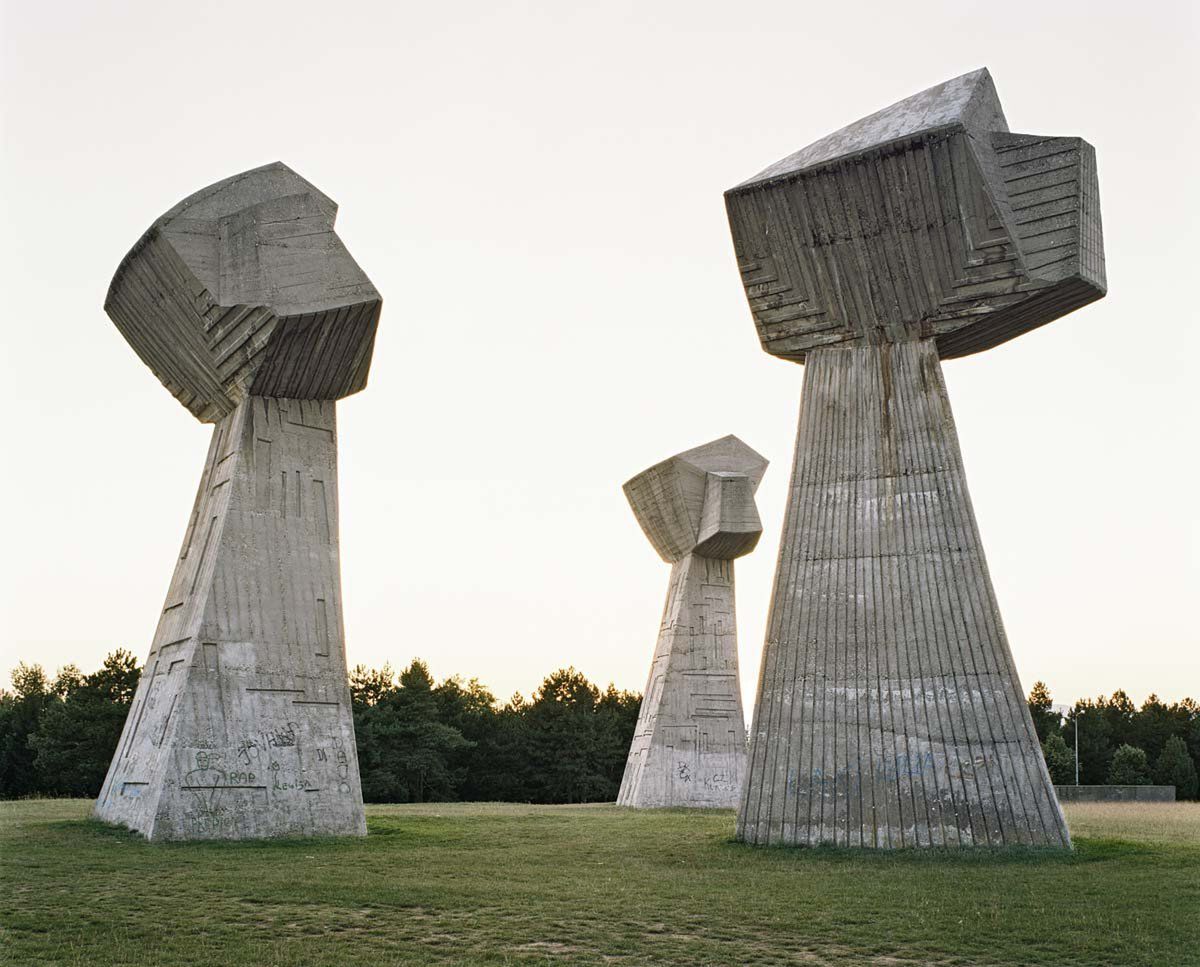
(241, 725)
(690, 745)
(889, 711)
(947, 227)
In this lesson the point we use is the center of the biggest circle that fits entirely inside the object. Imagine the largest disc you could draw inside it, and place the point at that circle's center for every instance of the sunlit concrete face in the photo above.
(889, 711)
(698, 511)
(249, 309)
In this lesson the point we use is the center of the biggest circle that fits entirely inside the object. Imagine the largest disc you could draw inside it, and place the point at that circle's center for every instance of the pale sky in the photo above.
(536, 190)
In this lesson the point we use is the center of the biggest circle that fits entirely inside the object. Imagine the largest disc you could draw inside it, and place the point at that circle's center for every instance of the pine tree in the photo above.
(1041, 710)
(1174, 767)
(79, 730)
(1060, 761)
(1130, 767)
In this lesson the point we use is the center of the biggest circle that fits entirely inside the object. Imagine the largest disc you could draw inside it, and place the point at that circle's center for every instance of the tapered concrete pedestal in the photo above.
(690, 744)
(890, 714)
(241, 725)
(889, 709)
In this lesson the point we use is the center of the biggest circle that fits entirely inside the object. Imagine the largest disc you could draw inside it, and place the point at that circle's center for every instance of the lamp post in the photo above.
(1063, 711)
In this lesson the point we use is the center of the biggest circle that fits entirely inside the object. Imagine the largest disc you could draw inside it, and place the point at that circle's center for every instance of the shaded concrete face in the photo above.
(889, 712)
(698, 511)
(241, 726)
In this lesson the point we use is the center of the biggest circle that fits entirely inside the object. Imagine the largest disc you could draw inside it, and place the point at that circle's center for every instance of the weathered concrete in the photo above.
(1115, 793)
(241, 726)
(926, 220)
(698, 511)
(890, 713)
(245, 289)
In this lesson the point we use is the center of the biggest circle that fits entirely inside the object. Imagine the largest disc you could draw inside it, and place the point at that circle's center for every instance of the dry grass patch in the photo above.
(1136, 822)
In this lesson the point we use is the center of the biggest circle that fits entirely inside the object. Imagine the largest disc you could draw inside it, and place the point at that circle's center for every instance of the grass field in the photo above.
(507, 884)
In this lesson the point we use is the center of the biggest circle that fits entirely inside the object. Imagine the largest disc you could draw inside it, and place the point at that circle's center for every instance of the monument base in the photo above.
(689, 747)
(889, 711)
(241, 725)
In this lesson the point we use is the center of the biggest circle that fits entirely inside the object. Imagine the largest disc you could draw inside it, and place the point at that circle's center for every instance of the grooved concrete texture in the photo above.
(890, 713)
(245, 289)
(241, 725)
(925, 220)
(698, 510)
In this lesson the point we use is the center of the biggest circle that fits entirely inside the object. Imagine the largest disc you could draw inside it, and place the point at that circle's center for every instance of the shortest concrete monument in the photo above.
(697, 509)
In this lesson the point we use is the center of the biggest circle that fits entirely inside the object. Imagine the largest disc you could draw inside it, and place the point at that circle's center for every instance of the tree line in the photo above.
(1120, 743)
(421, 740)
(418, 740)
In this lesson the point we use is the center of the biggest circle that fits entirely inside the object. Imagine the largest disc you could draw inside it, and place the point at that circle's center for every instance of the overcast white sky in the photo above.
(536, 188)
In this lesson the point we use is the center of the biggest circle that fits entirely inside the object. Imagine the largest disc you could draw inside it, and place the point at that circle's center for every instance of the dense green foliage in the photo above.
(506, 884)
(418, 741)
(1046, 721)
(1176, 768)
(1105, 725)
(1060, 761)
(57, 737)
(423, 741)
(1129, 767)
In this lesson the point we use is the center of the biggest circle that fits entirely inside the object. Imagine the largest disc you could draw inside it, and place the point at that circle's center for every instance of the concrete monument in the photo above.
(889, 709)
(248, 308)
(698, 511)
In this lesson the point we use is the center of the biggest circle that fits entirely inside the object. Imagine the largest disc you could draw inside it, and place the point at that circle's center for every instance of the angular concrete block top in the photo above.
(925, 219)
(701, 500)
(244, 289)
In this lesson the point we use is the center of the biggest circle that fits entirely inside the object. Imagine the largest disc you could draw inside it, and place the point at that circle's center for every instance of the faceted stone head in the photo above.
(245, 289)
(927, 219)
(701, 501)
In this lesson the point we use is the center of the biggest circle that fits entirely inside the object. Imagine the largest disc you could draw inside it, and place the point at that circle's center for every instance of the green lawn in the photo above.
(504, 884)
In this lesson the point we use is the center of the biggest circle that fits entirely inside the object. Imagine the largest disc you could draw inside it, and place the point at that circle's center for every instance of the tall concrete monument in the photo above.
(889, 709)
(698, 511)
(248, 308)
